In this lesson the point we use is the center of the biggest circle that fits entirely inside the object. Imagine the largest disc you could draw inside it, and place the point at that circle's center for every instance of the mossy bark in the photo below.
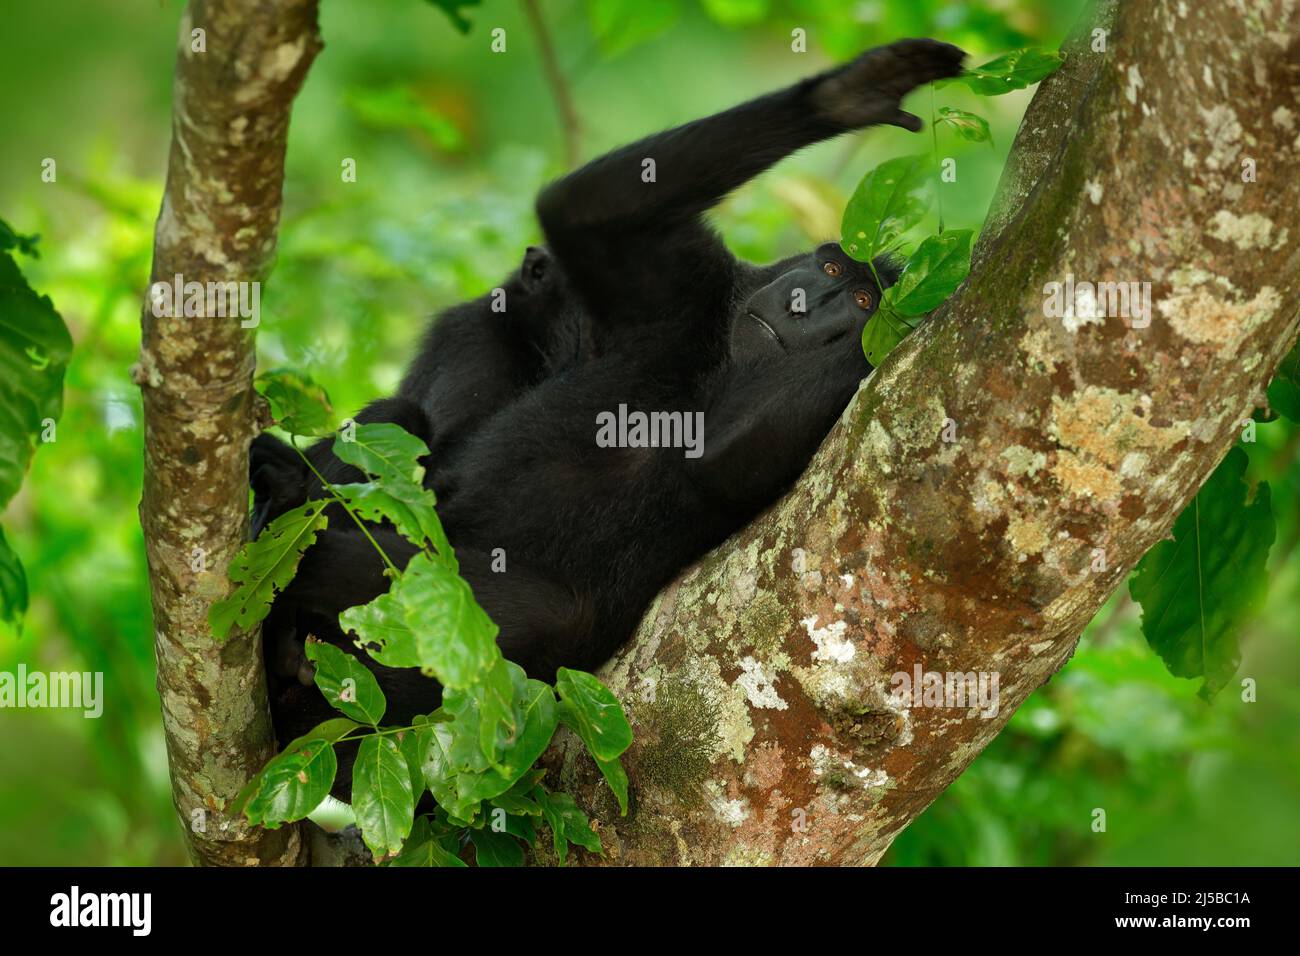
(239, 65)
(759, 684)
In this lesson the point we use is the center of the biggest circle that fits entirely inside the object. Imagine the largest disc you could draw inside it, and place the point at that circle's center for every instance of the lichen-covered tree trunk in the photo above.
(1000, 475)
(239, 65)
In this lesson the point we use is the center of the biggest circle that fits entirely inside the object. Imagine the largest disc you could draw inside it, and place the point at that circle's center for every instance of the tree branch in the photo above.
(569, 124)
(759, 683)
(233, 88)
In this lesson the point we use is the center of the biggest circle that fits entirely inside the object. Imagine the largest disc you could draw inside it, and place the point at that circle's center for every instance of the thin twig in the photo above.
(556, 81)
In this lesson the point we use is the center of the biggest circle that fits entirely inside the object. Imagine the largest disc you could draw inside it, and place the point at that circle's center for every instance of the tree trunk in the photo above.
(239, 65)
(759, 683)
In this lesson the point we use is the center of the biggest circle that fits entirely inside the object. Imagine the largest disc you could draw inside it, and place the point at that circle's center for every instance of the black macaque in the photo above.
(635, 302)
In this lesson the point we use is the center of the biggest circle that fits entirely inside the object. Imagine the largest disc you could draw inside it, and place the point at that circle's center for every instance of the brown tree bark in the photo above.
(234, 84)
(759, 683)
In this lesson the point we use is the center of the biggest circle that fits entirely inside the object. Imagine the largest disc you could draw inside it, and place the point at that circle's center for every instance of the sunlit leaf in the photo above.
(592, 710)
(969, 126)
(298, 404)
(884, 206)
(932, 273)
(381, 794)
(1011, 71)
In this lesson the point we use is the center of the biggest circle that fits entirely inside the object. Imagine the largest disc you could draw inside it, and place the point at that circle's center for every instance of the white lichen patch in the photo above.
(1284, 118)
(831, 643)
(1251, 231)
(1134, 84)
(1094, 189)
(759, 685)
(1223, 131)
(1039, 348)
(732, 813)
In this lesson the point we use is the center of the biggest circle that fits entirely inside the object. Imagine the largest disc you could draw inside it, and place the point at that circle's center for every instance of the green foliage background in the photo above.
(451, 141)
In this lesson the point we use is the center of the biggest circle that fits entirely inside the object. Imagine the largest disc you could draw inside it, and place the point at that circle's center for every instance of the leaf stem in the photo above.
(328, 486)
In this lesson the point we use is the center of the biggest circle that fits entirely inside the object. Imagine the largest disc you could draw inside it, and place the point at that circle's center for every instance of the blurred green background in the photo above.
(451, 141)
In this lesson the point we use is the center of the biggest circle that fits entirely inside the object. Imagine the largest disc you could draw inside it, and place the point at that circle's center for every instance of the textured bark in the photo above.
(218, 222)
(759, 683)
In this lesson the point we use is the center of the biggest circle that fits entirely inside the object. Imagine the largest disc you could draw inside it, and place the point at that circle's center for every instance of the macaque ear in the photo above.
(536, 269)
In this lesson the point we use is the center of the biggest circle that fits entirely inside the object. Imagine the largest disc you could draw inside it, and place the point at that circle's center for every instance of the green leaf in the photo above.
(425, 848)
(382, 632)
(592, 710)
(399, 107)
(346, 683)
(292, 785)
(496, 849)
(299, 405)
(409, 743)
(883, 207)
(619, 25)
(392, 455)
(1198, 590)
(567, 822)
(34, 350)
(1284, 390)
(13, 584)
(516, 804)
(12, 240)
(496, 712)
(883, 332)
(737, 13)
(381, 795)
(535, 714)
(456, 640)
(440, 771)
(263, 567)
(969, 126)
(616, 777)
(932, 273)
(453, 10)
(428, 619)
(1011, 71)
(409, 507)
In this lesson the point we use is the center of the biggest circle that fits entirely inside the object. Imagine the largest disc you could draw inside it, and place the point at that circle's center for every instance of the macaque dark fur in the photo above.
(635, 301)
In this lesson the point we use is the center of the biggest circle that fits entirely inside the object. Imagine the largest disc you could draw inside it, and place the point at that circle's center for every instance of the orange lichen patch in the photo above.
(1202, 317)
(1106, 425)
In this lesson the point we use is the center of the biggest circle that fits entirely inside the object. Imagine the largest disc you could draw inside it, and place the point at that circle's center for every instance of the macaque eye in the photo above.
(863, 299)
(832, 269)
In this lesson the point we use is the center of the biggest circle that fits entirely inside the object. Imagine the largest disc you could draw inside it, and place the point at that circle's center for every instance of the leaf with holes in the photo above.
(346, 683)
(969, 126)
(263, 567)
(298, 404)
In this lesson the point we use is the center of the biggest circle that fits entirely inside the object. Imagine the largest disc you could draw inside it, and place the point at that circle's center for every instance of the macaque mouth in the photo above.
(767, 328)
